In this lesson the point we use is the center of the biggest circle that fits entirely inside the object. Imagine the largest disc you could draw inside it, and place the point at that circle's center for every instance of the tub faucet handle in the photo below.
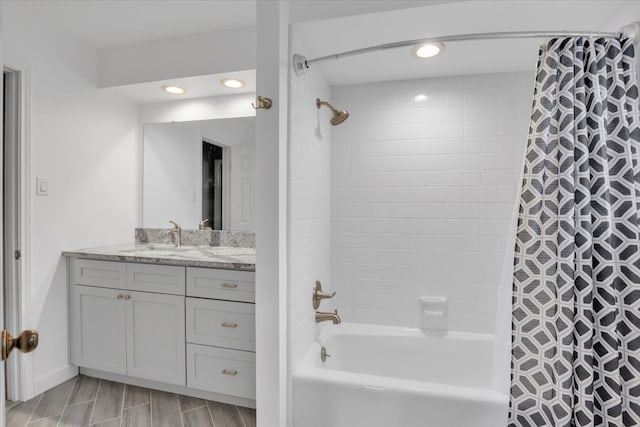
(318, 295)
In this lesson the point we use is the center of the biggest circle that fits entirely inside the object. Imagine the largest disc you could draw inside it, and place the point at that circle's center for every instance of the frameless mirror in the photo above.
(199, 170)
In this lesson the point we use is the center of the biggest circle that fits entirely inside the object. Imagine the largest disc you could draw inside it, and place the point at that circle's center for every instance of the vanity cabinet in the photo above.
(118, 330)
(185, 326)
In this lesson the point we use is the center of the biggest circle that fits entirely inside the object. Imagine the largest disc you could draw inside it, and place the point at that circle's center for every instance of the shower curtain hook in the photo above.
(263, 103)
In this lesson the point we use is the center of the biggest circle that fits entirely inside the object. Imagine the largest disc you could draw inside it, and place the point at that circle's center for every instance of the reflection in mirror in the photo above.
(199, 172)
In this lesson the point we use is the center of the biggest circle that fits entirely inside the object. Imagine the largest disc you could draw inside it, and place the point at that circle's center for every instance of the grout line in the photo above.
(34, 408)
(193, 409)
(181, 414)
(45, 418)
(139, 404)
(135, 406)
(78, 403)
(110, 419)
(93, 410)
(66, 402)
(244, 423)
(213, 423)
(124, 390)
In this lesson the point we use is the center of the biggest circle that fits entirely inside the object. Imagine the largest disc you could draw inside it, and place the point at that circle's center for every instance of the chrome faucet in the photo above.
(203, 224)
(323, 317)
(177, 233)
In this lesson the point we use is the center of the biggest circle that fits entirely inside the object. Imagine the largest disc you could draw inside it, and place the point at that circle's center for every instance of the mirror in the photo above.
(197, 170)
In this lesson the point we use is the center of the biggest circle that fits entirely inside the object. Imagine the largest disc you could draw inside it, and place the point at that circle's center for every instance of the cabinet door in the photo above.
(98, 329)
(155, 337)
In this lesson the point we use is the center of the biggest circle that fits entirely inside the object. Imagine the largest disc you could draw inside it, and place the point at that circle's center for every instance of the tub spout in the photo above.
(323, 317)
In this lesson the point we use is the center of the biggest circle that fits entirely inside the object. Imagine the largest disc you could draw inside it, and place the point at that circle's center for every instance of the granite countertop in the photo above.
(228, 258)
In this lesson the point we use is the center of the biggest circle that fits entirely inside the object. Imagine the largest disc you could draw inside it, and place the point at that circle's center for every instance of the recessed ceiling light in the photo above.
(173, 90)
(232, 83)
(427, 50)
(421, 98)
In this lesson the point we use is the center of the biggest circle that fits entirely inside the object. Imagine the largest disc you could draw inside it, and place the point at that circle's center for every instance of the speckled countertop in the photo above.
(228, 258)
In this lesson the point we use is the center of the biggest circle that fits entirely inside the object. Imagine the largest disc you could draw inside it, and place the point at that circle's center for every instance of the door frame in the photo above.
(20, 376)
(226, 176)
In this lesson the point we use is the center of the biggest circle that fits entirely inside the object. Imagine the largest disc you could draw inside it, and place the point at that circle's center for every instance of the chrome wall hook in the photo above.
(263, 103)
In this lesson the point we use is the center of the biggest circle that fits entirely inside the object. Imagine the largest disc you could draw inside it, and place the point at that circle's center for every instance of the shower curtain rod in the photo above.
(301, 64)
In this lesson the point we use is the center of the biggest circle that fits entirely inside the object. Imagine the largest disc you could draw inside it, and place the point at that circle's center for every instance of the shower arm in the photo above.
(301, 64)
(325, 103)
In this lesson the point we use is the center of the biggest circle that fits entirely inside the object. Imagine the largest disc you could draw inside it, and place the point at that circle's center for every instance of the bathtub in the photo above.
(378, 376)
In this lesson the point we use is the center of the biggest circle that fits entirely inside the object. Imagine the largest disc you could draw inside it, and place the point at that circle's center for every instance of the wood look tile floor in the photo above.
(85, 401)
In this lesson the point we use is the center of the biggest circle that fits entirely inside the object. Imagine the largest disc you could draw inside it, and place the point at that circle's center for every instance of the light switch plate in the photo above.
(42, 186)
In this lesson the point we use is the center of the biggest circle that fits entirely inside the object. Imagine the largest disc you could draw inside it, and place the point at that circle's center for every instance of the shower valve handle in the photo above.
(319, 295)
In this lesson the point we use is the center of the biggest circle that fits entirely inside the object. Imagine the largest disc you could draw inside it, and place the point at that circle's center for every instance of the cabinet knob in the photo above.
(127, 297)
(120, 296)
(229, 372)
(229, 325)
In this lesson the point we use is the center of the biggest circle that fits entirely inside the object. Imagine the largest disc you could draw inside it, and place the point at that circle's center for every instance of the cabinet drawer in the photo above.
(105, 274)
(163, 279)
(221, 284)
(221, 323)
(221, 370)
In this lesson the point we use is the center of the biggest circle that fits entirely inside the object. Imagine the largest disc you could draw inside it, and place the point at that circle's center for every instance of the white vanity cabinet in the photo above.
(117, 330)
(182, 326)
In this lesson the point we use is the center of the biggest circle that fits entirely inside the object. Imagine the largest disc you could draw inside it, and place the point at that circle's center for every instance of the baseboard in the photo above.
(53, 379)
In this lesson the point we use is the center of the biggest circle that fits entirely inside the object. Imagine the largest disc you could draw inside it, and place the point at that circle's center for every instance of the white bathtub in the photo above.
(381, 376)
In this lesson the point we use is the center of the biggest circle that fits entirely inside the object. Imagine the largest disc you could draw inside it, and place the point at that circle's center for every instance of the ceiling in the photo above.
(112, 23)
(321, 38)
(325, 27)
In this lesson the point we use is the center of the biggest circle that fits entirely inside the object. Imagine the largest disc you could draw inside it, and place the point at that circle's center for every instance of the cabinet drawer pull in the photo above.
(229, 325)
(120, 296)
(230, 285)
(229, 372)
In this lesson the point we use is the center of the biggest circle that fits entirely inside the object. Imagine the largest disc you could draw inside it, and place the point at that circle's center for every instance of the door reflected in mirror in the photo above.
(199, 172)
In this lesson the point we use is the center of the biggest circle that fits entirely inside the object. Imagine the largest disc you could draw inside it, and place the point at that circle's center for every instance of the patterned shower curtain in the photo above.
(576, 290)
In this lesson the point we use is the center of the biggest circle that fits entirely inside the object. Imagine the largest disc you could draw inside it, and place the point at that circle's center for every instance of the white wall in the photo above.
(309, 204)
(196, 55)
(212, 107)
(422, 195)
(84, 141)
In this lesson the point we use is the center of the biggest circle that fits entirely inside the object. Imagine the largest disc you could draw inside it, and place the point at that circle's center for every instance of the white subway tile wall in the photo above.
(424, 177)
(309, 204)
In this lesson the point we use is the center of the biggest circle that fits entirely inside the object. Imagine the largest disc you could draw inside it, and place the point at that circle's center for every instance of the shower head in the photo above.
(338, 116)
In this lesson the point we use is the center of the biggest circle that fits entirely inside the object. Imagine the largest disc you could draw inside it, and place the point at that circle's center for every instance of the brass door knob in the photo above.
(26, 342)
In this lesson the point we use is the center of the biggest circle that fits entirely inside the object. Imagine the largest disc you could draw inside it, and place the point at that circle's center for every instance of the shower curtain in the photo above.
(576, 289)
